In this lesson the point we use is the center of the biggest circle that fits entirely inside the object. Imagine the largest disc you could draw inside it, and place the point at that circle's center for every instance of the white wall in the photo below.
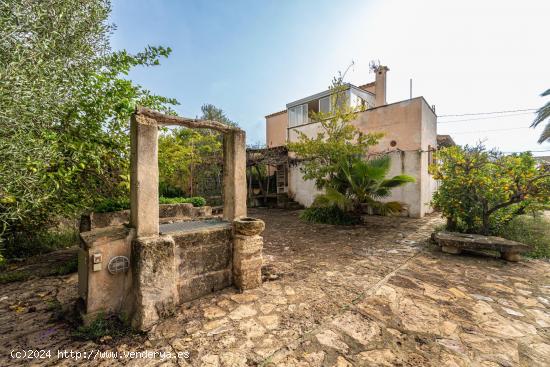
(413, 125)
(300, 190)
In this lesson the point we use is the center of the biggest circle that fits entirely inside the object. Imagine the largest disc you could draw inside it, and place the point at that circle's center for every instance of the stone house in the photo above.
(410, 137)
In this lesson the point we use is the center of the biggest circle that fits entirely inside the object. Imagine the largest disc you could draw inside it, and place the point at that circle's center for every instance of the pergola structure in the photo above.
(144, 180)
(276, 161)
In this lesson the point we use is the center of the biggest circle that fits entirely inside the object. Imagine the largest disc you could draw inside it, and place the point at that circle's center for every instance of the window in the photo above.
(297, 115)
(324, 104)
(327, 103)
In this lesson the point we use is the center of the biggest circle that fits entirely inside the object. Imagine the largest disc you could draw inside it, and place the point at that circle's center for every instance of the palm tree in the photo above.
(542, 114)
(360, 183)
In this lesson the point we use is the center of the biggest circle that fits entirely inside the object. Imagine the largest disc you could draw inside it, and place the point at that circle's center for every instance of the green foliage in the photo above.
(184, 154)
(338, 140)
(112, 205)
(358, 183)
(112, 325)
(69, 267)
(329, 215)
(196, 201)
(14, 276)
(26, 244)
(481, 191)
(117, 204)
(211, 112)
(65, 109)
(543, 113)
(531, 230)
(189, 160)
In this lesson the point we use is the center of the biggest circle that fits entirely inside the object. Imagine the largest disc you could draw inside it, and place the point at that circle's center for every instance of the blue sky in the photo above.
(252, 57)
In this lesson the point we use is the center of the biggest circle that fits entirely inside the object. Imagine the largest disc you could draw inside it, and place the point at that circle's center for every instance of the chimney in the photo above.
(380, 86)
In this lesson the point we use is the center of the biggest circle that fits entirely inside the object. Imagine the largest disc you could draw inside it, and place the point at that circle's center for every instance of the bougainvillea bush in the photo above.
(481, 191)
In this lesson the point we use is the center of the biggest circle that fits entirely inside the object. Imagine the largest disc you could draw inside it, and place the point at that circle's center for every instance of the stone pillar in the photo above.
(154, 280)
(247, 253)
(144, 176)
(234, 175)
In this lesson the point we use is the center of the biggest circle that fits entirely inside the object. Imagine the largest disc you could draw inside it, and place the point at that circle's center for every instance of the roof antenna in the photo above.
(374, 65)
(347, 69)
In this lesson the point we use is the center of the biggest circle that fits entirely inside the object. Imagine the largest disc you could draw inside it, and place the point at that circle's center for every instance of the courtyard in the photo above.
(376, 294)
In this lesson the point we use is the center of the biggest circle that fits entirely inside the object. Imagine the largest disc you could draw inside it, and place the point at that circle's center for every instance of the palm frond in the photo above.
(376, 169)
(333, 197)
(542, 114)
(545, 135)
(388, 208)
(397, 181)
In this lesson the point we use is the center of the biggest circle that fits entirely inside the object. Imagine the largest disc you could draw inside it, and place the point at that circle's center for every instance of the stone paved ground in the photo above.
(373, 295)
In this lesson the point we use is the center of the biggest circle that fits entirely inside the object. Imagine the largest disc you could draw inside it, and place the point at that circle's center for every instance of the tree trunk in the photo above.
(485, 229)
(451, 224)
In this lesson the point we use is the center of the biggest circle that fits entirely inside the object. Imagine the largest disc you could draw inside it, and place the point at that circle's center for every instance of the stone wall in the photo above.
(203, 261)
(187, 211)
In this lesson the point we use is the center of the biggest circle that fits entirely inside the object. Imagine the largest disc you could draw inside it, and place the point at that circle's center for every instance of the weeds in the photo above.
(69, 267)
(24, 245)
(104, 325)
(329, 215)
(14, 276)
(531, 230)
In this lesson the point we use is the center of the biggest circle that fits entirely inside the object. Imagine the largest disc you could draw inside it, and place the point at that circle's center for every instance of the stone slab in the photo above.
(461, 241)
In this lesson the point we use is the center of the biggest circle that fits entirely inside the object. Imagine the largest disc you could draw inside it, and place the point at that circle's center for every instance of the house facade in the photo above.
(410, 138)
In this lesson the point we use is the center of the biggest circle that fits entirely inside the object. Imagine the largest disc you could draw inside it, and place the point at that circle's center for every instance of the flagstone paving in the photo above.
(370, 295)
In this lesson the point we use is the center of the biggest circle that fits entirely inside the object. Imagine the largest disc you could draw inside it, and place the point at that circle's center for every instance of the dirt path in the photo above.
(339, 296)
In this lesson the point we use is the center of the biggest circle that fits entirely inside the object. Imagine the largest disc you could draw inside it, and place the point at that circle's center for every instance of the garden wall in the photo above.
(184, 211)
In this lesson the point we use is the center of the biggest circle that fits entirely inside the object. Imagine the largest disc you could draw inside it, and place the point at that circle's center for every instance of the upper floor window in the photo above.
(324, 104)
(302, 114)
(297, 115)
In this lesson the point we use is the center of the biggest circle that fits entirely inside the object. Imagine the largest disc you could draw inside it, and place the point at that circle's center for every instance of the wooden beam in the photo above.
(163, 119)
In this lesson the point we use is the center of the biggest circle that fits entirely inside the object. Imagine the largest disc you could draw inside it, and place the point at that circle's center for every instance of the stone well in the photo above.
(146, 261)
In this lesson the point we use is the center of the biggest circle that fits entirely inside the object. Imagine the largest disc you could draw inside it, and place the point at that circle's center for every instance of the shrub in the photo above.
(531, 230)
(25, 244)
(481, 191)
(359, 182)
(112, 205)
(196, 200)
(329, 215)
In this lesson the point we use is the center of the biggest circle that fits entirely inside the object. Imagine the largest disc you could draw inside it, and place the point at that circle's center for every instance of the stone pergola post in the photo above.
(144, 177)
(234, 175)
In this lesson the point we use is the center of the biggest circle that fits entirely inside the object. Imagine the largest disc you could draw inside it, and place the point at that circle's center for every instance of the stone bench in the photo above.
(454, 243)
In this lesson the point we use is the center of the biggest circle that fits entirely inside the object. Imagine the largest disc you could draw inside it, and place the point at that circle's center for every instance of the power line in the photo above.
(532, 151)
(488, 113)
(484, 131)
(485, 118)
